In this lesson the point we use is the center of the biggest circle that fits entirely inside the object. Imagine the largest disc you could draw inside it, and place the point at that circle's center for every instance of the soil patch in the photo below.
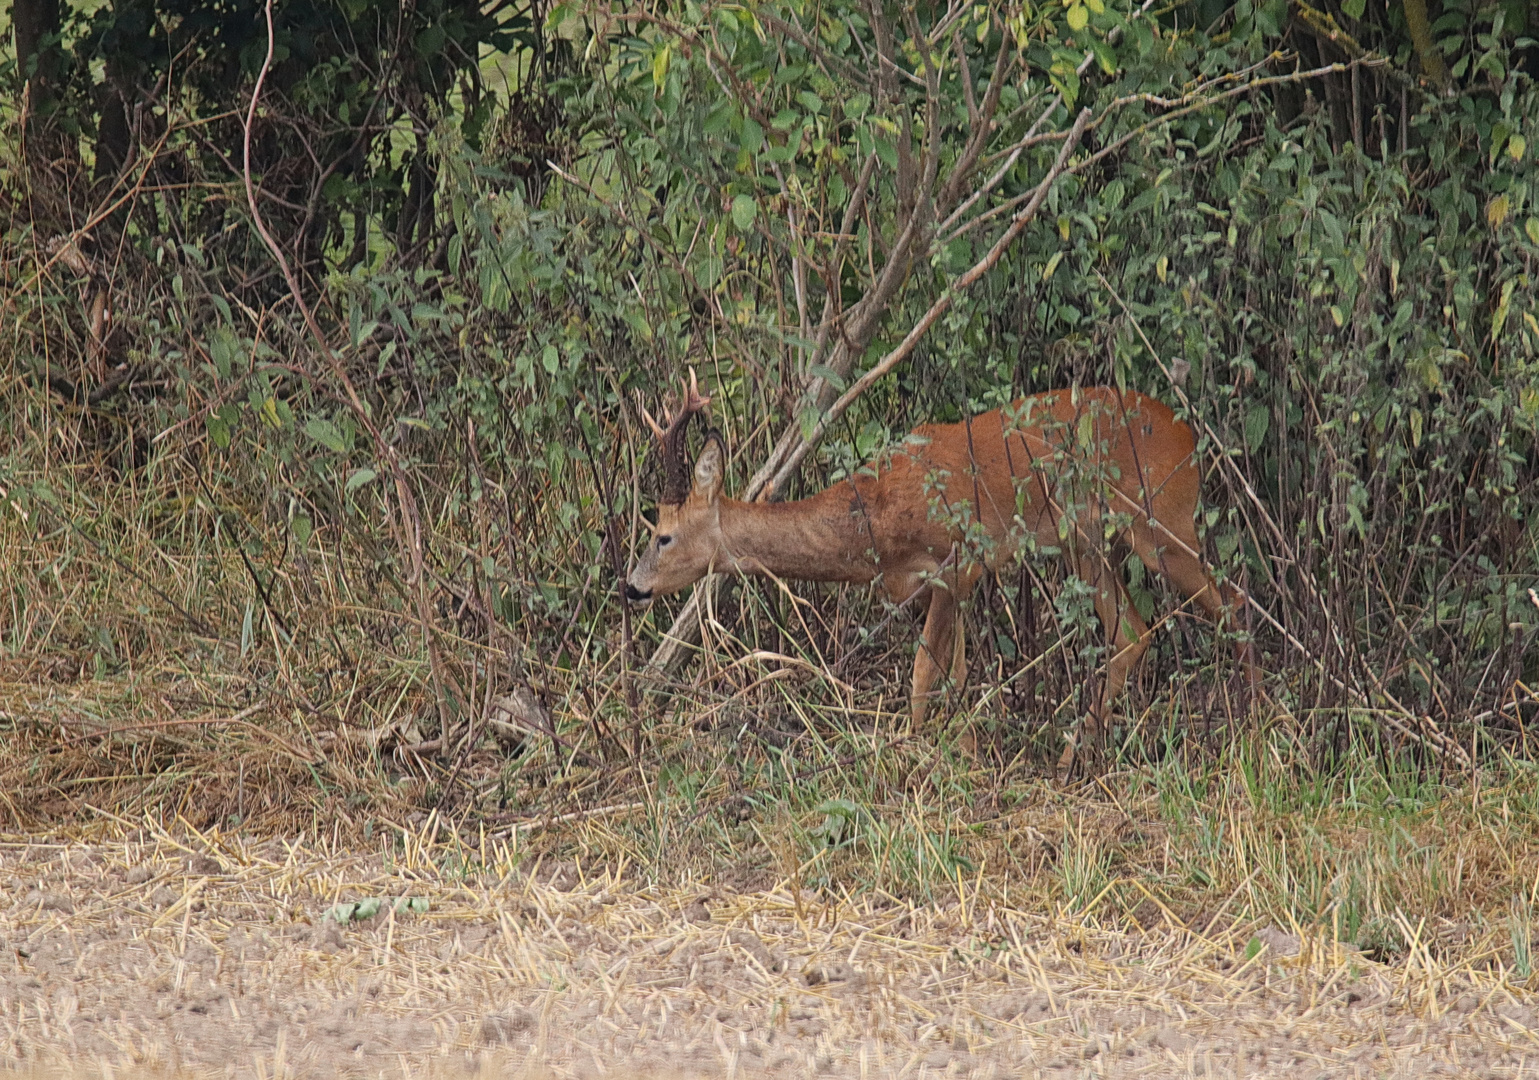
(209, 955)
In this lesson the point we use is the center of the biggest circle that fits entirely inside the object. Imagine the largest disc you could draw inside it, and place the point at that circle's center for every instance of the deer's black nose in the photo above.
(635, 595)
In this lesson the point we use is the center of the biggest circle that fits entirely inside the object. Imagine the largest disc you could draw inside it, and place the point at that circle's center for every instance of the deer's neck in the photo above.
(823, 538)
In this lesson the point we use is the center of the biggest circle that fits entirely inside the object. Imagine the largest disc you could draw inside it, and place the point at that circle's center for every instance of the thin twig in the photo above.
(940, 307)
(411, 518)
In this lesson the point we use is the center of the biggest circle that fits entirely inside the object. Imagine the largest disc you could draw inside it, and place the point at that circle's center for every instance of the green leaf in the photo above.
(753, 136)
(327, 434)
(717, 119)
(218, 430)
(1531, 227)
(809, 420)
(958, 255)
(359, 478)
(1066, 79)
(828, 375)
(1079, 17)
(810, 101)
(1517, 146)
(341, 913)
(1052, 264)
(1257, 420)
(558, 15)
(431, 41)
(1499, 133)
(744, 210)
(223, 350)
(660, 61)
(1354, 8)
(1105, 55)
(302, 528)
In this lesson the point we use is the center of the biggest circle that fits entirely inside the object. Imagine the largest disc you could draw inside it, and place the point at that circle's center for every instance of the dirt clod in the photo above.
(696, 912)
(818, 974)
(204, 865)
(48, 901)
(1280, 942)
(754, 946)
(500, 1029)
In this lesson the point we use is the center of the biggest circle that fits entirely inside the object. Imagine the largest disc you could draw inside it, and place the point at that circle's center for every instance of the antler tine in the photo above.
(675, 463)
(694, 401)
(657, 429)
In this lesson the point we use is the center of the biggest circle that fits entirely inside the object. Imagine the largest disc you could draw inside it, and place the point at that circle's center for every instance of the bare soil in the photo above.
(202, 955)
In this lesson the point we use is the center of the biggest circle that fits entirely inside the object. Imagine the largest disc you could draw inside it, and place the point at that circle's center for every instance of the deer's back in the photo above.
(1028, 460)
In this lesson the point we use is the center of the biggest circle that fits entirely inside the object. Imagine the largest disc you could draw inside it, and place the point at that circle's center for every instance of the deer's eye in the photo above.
(664, 541)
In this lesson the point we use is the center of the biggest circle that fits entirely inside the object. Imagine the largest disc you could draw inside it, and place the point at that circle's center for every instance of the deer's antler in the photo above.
(676, 481)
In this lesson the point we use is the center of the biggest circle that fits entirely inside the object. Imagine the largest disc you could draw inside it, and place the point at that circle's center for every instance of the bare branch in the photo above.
(983, 125)
(1031, 138)
(939, 308)
(1118, 143)
(832, 315)
(964, 73)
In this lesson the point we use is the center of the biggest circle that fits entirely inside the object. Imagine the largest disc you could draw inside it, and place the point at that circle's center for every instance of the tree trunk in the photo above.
(1420, 25)
(37, 57)
(114, 130)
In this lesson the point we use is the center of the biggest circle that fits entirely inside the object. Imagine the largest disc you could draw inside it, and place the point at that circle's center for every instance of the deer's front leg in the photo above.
(941, 651)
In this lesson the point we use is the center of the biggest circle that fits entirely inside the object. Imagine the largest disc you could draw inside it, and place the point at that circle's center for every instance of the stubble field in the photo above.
(143, 952)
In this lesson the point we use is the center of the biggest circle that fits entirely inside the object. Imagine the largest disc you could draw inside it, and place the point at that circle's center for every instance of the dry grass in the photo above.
(148, 952)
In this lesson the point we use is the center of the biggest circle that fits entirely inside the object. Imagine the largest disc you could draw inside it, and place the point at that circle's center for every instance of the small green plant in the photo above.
(363, 910)
(1082, 866)
(1521, 927)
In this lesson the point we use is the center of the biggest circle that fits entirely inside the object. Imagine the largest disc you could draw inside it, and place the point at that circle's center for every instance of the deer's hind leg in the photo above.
(1174, 556)
(1127, 636)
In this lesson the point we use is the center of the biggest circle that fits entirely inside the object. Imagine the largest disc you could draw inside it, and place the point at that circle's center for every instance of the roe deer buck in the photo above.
(1071, 469)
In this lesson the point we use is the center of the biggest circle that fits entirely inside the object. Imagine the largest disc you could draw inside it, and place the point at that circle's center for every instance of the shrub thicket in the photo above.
(1316, 238)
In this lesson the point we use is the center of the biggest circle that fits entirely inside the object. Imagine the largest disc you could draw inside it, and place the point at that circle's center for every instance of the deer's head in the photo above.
(687, 539)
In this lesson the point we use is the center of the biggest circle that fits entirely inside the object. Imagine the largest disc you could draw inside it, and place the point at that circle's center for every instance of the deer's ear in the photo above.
(710, 468)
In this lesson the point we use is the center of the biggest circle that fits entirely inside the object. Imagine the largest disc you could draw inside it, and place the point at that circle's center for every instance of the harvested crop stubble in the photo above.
(148, 954)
